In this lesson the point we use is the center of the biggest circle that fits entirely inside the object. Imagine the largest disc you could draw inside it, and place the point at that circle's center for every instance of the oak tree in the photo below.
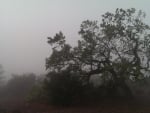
(117, 48)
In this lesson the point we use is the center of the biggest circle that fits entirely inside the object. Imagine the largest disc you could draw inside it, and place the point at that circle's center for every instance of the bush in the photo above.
(37, 94)
(64, 88)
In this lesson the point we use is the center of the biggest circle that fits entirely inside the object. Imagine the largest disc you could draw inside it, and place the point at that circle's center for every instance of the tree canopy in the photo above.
(117, 48)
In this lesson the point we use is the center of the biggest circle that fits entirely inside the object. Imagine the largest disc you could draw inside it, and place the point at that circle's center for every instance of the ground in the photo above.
(20, 106)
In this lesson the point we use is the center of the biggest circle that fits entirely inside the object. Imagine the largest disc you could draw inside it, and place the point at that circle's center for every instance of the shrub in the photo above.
(64, 88)
(37, 94)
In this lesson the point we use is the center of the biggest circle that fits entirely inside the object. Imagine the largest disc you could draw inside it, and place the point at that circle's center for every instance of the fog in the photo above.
(25, 84)
(26, 24)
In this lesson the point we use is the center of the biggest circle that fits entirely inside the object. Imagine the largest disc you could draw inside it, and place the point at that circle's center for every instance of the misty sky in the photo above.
(26, 24)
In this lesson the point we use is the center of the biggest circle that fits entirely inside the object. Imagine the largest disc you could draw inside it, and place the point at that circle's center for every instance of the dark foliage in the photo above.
(117, 49)
(19, 86)
(64, 88)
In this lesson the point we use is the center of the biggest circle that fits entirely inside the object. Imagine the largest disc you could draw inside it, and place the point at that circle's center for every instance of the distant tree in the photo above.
(20, 85)
(1, 73)
(117, 49)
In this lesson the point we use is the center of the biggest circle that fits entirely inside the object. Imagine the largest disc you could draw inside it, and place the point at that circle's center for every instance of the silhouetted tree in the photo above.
(118, 49)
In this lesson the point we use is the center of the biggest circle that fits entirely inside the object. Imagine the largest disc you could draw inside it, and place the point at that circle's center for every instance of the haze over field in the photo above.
(26, 24)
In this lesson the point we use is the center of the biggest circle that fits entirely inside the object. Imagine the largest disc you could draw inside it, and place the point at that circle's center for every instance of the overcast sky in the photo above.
(26, 24)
